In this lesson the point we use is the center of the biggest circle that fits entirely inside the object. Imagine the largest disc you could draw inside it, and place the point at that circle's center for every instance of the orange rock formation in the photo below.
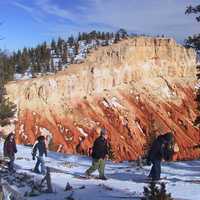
(134, 89)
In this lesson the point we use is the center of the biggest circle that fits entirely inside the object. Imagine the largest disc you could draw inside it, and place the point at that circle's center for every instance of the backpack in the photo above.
(168, 152)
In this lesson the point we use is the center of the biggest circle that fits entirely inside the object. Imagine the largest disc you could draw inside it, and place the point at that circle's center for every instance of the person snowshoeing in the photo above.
(10, 150)
(99, 155)
(159, 150)
(39, 150)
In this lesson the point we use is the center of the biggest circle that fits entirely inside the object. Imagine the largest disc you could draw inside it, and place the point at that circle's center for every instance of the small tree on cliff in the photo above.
(194, 42)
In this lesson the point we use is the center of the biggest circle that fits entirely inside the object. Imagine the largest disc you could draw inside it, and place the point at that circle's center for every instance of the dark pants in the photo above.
(11, 163)
(40, 162)
(155, 170)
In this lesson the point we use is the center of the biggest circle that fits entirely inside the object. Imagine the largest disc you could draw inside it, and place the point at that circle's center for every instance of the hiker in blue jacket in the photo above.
(39, 150)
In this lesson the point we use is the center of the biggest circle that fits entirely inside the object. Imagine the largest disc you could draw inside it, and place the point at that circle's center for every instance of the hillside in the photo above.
(133, 88)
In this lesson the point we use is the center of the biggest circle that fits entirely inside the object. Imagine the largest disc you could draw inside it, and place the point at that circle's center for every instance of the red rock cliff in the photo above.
(133, 88)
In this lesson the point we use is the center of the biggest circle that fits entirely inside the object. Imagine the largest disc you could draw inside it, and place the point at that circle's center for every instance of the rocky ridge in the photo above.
(135, 88)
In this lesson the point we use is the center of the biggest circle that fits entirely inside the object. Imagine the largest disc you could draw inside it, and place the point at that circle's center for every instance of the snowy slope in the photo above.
(125, 180)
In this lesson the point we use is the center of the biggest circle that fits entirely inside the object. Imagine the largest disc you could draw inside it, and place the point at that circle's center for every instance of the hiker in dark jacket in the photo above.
(159, 151)
(10, 150)
(39, 150)
(99, 154)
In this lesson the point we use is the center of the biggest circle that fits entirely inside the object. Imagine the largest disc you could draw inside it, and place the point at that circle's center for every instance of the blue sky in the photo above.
(29, 22)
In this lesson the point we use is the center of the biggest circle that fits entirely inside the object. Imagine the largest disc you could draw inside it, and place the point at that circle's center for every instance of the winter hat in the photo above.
(103, 131)
(40, 138)
(168, 137)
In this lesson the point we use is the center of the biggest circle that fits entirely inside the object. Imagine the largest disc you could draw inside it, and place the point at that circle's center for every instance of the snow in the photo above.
(165, 91)
(112, 103)
(124, 179)
(146, 66)
(105, 104)
(83, 132)
(53, 84)
(139, 127)
(197, 86)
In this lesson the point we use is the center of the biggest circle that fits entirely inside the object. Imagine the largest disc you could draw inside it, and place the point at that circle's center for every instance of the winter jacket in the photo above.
(40, 147)
(9, 148)
(100, 148)
(156, 151)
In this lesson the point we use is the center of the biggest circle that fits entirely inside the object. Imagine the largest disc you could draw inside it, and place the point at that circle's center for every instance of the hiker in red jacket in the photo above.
(10, 150)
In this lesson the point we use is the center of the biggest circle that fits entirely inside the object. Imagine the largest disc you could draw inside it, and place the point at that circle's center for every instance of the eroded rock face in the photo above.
(131, 88)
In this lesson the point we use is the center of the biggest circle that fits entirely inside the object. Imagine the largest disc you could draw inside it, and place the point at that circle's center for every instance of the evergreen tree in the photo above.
(153, 192)
(84, 36)
(122, 33)
(194, 42)
(24, 60)
(59, 66)
(103, 37)
(71, 40)
(93, 35)
(99, 35)
(117, 38)
(65, 55)
(76, 48)
(112, 35)
(53, 44)
(7, 108)
(18, 68)
(45, 57)
(79, 36)
(60, 44)
(107, 36)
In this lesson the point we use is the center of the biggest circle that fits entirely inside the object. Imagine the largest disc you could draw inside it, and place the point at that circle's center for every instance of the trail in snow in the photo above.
(125, 180)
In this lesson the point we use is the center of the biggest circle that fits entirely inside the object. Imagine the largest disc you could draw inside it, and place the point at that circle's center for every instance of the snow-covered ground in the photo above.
(125, 180)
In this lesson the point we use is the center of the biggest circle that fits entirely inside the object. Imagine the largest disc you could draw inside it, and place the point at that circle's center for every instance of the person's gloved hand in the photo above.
(148, 162)
(33, 157)
(107, 157)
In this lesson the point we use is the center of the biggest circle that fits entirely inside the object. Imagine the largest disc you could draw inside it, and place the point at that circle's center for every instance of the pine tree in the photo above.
(107, 36)
(45, 57)
(71, 40)
(194, 42)
(60, 44)
(112, 35)
(103, 37)
(117, 38)
(84, 36)
(79, 36)
(65, 55)
(7, 108)
(53, 44)
(153, 192)
(59, 66)
(76, 48)
(99, 35)
(93, 35)
(122, 33)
